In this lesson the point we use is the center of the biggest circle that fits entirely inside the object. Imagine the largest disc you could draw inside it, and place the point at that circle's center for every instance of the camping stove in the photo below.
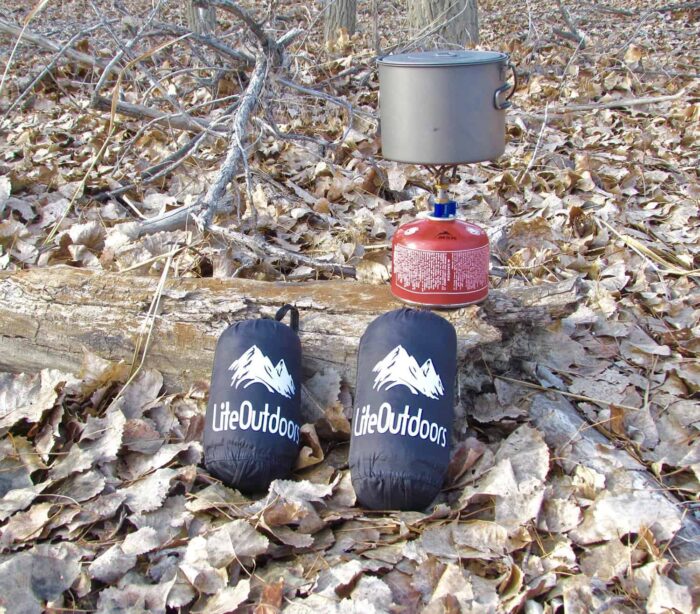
(440, 261)
(439, 109)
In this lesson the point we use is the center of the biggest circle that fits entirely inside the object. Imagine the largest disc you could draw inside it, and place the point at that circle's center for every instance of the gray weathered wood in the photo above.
(47, 317)
(339, 14)
(453, 21)
(40, 41)
(201, 20)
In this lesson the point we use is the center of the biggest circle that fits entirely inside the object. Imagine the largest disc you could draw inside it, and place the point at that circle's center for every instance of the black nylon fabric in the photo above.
(404, 404)
(251, 433)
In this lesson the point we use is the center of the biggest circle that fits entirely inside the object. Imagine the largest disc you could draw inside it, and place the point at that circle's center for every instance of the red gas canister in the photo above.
(440, 261)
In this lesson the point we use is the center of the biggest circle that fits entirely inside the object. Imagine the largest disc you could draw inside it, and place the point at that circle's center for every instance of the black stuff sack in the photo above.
(252, 424)
(404, 404)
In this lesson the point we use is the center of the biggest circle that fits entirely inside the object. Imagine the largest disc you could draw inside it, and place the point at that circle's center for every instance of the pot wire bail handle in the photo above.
(506, 104)
(293, 317)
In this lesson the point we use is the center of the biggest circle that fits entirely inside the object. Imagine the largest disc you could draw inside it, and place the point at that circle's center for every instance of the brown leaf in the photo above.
(666, 595)
(27, 397)
(26, 525)
(608, 561)
(311, 452)
(271, 598)
(464, 455)
(112, 564)
(334, 425)
(374, 268)
(147, 494)
(97, 372)
(283, 512)
(617, 420)
(215, 496)
(633, 54)
(142, 390)
(199, 570)
(402, 590)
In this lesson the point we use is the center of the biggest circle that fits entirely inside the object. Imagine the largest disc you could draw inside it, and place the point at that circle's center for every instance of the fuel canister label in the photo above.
(443, 272)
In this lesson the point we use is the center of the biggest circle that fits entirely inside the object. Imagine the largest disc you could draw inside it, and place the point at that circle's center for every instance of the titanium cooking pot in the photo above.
(444, 107)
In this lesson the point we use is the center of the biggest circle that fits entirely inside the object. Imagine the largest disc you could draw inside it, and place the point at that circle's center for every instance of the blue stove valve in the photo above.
(445, 210)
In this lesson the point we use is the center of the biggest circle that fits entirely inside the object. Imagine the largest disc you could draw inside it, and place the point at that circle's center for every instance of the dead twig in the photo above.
(179, 121)
(669, 8)
(155, 172)
(110, 133)
(111, 67)
(332, 99)
(41, 41)
(608, 9)
(622, 103)
(258, 244)
(288, 38)
(670, 74)
(672, 8)
(248, 185)
(127, 51)
(51, 65)
(146, 333)
(574, 33)
(649, 255)
(567, 35)
(215, 194)
(38, 7)
(215, 44)
(271, 126)
(537, 146)
(268, 43)
(571, 395)
(202, 212)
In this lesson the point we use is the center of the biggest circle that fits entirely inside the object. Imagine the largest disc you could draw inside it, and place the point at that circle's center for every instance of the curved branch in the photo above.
(257, 243)
(204, 209)
(268, 43)
(210, 41)
(45, 43)
(332, 99)
(216, 192)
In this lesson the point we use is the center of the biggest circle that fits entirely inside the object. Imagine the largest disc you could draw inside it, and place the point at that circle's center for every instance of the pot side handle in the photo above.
(505, 104)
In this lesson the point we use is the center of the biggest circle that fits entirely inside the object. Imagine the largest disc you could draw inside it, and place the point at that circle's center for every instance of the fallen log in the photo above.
(47, 317)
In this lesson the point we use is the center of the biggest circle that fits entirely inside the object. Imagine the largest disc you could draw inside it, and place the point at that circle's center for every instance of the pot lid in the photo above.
(443, 58)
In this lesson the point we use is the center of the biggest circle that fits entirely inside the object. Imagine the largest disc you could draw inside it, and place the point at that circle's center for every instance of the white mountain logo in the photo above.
(253, 367)
(399, 368)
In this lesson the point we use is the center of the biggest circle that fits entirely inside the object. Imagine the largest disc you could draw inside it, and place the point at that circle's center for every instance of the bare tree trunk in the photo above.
(200, 20)
(453, 21)
(340, 14)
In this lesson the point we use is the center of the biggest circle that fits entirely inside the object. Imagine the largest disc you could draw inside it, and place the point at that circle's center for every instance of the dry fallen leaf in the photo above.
(311, 452)
(48, 569)
(612, 516)
(24, 397)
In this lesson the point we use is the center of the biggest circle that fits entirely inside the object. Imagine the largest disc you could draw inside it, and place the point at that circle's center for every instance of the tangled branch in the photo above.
(251, 56)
